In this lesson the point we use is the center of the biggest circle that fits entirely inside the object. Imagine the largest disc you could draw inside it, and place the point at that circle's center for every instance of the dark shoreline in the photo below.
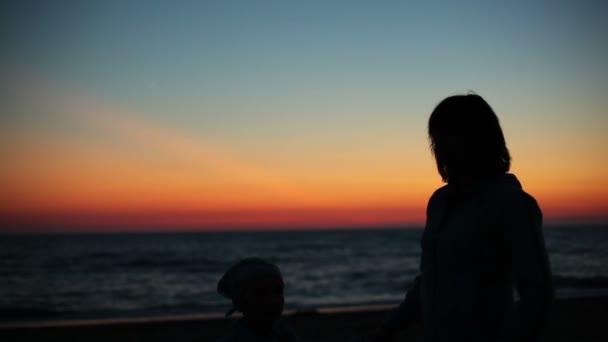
(9, 320)
(571, 319)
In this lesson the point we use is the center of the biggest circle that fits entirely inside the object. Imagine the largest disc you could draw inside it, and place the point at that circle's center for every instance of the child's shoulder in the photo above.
(240, 333)
(285, 333)
(230, 337)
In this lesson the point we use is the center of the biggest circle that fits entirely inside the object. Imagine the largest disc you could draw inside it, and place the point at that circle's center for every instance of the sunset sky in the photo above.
(161, 115)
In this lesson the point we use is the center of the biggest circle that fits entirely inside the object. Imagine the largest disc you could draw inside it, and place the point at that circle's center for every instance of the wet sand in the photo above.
(580, 319)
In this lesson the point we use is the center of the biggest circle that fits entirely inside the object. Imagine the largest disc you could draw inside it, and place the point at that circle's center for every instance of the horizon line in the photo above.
(296, 229)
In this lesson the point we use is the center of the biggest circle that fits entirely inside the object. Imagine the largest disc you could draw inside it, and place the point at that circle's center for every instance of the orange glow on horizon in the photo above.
(139, 174)
(214, 220)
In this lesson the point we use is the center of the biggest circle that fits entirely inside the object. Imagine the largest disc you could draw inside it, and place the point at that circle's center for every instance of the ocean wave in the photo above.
(190, 263)
(19, 313)
(580, 282)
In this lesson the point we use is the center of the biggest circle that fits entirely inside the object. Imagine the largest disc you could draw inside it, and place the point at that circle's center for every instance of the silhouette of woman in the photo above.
(482, 240)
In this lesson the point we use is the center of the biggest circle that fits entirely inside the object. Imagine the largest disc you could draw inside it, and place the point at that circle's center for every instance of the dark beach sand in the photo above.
(580, 320)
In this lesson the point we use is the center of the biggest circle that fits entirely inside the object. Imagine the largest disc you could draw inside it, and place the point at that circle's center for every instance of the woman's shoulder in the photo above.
(509, 189)
(439, 194)
(510, 197)
(436, 200)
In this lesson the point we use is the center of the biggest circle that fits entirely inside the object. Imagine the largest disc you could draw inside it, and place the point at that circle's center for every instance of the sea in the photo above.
(92, 276)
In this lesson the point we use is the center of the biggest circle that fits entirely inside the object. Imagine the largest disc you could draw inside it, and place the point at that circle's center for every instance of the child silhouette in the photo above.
(255, 287)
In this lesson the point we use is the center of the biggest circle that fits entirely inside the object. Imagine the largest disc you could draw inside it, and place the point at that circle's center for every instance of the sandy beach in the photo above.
(574, 319)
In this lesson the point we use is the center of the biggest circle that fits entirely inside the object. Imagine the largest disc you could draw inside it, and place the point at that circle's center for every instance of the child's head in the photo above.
(255, 287)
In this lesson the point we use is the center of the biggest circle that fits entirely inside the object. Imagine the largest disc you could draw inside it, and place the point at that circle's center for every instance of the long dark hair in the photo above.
(466, 139)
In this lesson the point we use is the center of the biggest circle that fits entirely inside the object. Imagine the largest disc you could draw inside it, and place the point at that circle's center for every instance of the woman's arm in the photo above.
(529, 264)
(408, 311)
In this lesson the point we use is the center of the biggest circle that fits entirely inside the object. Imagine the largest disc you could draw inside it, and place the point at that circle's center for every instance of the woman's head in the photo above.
(466, 139)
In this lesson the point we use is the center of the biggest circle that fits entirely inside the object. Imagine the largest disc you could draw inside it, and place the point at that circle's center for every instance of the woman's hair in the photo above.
(466, 139)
